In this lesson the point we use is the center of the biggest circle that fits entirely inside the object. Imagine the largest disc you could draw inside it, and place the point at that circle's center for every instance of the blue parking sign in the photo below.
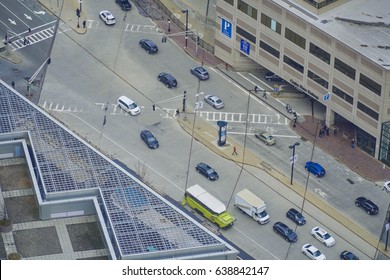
(245, 46)
(226, 28)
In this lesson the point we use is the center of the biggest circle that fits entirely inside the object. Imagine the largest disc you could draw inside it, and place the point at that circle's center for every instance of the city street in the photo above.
(90, 71)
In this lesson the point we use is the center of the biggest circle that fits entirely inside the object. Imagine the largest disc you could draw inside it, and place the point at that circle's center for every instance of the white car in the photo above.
(312, 252)
(386, 186)
(107, 17)
(214, 101)
(323, 236)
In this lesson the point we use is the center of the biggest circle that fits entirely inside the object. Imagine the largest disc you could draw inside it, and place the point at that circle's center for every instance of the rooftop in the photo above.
(360, 24)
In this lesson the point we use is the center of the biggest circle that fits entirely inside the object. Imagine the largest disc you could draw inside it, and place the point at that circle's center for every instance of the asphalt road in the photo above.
(89, 72)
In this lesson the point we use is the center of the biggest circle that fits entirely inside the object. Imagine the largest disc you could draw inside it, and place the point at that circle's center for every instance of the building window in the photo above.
(293, 63)
(342, 94)
(318, 79)
(269, 49)
(365, 141)
(246, 34)
(247, 9)
(320, 53)
(368, 111)
(370, 84)
(344, 68)
(295, 38)
(384, 152)
(271, 23)
(320, 4)
(231, 2)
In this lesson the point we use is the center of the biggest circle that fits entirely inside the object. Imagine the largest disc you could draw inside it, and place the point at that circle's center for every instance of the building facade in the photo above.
(335, 51)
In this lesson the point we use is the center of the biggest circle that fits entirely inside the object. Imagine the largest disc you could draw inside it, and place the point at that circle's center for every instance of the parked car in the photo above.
(386, 186)
(323, 236)
(149, 139)
(347, 255)
(214, 101)
(207, 171)
(296, 217)
(200, 72)
(271, 76)
(312, 252)
(286, 232)
(124, 4)
(148, 45)
(167, 79)
(265, 137)
(107, 17)
(367, 205)
(315, 168)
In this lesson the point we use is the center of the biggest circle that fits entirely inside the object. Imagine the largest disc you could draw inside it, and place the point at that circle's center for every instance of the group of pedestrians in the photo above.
(325, 131)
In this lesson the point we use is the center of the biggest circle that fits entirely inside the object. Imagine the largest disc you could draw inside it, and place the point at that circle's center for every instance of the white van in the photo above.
(128, 105)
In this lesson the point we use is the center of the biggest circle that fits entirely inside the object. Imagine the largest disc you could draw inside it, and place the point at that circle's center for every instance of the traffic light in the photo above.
(154, 107)
(256, 89)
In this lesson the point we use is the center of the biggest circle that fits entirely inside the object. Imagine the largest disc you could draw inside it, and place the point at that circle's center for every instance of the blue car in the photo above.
(315, 168)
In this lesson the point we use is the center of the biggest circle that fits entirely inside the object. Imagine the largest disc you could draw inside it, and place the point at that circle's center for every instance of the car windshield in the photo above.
(151, 138)
(317, 253)
(327, 236)
(210, 171)
(218, 101)
(133, 106)
(263, 214)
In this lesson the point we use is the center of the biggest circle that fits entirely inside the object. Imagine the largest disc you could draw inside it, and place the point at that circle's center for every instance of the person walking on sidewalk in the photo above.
(353, 143)
(264, 94)
(234, 151)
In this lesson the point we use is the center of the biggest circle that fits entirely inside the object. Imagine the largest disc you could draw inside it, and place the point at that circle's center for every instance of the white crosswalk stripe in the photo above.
(32, 38)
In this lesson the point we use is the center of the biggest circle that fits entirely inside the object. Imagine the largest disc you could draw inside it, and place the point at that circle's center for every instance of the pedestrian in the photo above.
(13, 84)
(177, 112)
(353, 143)
(335, 132)
(327, 131)
(25, 41)
(84, 23)
(234, 151)
(29, 31)
(264, 94)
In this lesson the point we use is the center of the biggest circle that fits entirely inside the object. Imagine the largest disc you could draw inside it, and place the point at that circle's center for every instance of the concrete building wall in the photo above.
(228, 49)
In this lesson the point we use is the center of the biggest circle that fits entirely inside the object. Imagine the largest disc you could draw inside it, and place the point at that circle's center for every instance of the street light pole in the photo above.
(186, 12)
(293, 160)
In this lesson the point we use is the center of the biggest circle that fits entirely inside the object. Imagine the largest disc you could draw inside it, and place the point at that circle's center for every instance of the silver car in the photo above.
(214, 101)
(265, 137)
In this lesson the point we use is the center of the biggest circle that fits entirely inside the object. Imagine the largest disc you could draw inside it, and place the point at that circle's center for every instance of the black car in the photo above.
(149, 139)
(346, 255)
(296, 217)
(200, 72)
(207, 171)
(167, 79)
(148, 45)
(367, 205)
(271, 76)
(286, 232)
(124, 4)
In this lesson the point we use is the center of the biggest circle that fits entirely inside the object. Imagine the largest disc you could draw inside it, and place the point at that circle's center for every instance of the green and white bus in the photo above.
(208, 206)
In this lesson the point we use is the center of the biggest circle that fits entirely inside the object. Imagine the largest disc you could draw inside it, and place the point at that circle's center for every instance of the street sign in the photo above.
(226, 28)
(245, 46)
(326, 97)
(293, 159)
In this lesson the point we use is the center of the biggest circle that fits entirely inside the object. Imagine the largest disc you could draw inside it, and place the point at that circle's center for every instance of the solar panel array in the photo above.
(141, 221)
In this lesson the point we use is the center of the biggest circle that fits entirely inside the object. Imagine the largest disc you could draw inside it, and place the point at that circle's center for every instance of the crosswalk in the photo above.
(169, 113)
(33, 38)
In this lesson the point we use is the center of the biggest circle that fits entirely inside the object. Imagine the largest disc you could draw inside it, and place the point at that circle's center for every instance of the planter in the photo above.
(14, 256)
(5, 225)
